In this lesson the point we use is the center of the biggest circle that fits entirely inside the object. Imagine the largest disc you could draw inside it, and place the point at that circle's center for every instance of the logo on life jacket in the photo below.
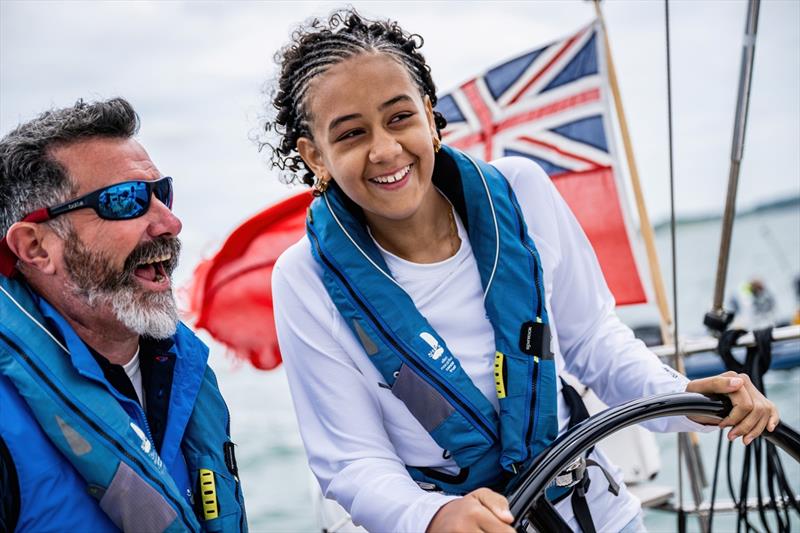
(147, 446)
(145, 441)
(436, 350)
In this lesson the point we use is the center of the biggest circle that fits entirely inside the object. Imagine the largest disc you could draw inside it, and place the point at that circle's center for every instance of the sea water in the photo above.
(272, 464)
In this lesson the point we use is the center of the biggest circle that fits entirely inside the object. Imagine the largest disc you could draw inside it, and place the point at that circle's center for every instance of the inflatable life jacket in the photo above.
(62, 417)
(415, 361)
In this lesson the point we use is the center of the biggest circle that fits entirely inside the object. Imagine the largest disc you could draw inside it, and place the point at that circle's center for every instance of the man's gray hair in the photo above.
(30, 178)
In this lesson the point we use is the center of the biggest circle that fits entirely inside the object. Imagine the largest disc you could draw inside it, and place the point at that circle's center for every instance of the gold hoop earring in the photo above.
(437, 144)
(320, 186)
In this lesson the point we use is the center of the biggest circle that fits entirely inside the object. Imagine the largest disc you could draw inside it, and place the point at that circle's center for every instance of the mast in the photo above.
(718, 319)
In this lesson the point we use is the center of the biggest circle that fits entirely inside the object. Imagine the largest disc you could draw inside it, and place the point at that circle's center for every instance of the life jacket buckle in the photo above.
(428, 487)
(572, 474)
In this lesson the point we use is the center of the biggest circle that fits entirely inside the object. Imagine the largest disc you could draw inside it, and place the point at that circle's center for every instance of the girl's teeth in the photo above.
(397, 176)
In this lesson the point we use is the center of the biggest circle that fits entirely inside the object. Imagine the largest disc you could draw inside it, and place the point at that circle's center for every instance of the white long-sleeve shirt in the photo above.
(358, 435)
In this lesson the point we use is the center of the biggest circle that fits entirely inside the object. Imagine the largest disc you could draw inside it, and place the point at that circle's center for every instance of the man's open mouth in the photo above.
(154, 269)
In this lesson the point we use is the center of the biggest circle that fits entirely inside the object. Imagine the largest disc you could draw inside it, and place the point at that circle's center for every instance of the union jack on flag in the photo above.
(551, 105)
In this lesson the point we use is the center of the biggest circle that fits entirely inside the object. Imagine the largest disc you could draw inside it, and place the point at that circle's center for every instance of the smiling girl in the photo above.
(427, 314)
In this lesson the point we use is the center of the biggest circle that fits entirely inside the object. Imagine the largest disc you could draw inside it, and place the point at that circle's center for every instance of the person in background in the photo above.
(425, 317)
(753, 306)
(110, 418)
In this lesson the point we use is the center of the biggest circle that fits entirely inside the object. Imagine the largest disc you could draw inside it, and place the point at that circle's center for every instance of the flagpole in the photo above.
(644, 219)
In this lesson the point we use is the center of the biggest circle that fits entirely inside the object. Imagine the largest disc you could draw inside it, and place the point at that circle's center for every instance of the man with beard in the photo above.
(109, 415)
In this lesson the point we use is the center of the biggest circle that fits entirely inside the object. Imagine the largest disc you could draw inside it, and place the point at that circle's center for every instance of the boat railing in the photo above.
(688, 347)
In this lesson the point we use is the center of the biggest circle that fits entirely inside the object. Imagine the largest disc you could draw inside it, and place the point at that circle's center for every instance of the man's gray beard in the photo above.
(153, 314)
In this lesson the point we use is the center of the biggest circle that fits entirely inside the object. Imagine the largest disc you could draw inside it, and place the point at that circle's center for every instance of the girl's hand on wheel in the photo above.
(752, 412)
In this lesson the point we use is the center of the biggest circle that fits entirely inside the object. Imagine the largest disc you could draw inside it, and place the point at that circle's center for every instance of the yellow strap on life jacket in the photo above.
(208, 493)
(498, 375)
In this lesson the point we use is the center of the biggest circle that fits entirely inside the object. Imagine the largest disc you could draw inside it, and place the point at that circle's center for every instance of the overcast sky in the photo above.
(195, 72)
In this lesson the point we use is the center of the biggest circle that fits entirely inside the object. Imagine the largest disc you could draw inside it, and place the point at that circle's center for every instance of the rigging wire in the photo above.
(714, 483)
(673, 244)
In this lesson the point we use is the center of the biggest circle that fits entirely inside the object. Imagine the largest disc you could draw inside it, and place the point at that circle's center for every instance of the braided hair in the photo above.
(316, 47)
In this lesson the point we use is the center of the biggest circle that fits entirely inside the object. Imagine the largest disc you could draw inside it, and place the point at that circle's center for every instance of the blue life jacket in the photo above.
(415, 361)
(83, 454)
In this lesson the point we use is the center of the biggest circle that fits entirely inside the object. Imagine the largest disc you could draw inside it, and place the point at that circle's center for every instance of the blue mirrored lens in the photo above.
(163, 191)
(125, 200)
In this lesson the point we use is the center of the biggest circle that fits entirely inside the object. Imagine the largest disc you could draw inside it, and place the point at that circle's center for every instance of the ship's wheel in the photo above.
(526, 498)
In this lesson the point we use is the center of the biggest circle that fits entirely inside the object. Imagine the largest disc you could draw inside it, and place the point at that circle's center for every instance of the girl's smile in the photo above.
(393, 180)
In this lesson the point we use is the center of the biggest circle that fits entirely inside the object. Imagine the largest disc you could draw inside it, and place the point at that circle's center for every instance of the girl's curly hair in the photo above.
(313, 49)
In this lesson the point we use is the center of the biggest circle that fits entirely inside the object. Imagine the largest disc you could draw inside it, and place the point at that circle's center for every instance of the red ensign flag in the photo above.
(552, 105)
(231, 295)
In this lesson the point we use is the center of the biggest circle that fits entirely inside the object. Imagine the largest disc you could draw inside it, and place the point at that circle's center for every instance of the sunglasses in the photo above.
(121, 201)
